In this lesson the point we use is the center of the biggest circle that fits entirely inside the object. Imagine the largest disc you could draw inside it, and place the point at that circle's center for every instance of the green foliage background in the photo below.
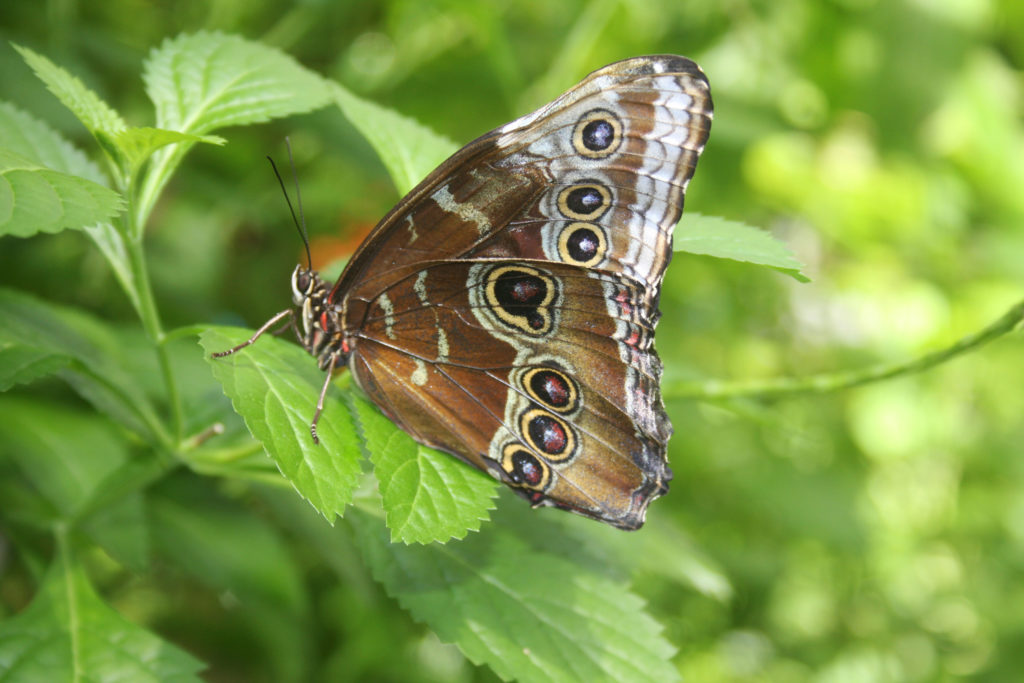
(872, 534)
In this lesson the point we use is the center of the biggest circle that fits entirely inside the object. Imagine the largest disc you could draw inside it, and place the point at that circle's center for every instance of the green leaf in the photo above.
(721, 238)
(68, 455)
(204, 81)
(37, 199)
(428, 495)
(34, 140)
(22, 364)
(137, 144)
(274, 386)
(95, 371)
(96, 114)
(408, 149)
(528, 615)
(216, 543)
(69, 634)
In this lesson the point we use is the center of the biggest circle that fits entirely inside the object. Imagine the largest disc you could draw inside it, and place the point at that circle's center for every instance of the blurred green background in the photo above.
(874, 535)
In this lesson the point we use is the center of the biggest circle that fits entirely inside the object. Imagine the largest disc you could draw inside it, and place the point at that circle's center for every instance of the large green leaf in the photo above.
(408, 149)
(83, 351)
(715, 236)
(36, 199)
(203, 81)
(427, 495)
(69, 634)
(529, 615)
(68, 456)
(274, 386)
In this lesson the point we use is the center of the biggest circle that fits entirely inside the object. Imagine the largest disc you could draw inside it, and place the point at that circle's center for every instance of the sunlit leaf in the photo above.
(36, 199)
(203, 81)
(274, 386)
(721, 238)
(408, 149)
(427, 495)
(137, 144)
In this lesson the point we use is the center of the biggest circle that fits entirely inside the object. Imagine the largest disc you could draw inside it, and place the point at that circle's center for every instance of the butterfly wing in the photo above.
(504, 310)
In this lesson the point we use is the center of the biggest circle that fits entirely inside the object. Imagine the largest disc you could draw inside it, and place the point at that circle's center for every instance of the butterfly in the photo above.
(504, 310)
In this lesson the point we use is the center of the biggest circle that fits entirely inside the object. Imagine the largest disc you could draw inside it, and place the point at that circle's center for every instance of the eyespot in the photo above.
(582, 244)
(585, 201)
(525, 469)
(522, 297)
(598, 134)
(548, 434)
(551, 388)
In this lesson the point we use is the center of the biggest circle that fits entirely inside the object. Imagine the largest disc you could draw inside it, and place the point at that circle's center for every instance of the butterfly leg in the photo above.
(323, 396)
(289, 313)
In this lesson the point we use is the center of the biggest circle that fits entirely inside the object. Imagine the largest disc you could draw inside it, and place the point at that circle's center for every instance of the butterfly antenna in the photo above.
(301, 227)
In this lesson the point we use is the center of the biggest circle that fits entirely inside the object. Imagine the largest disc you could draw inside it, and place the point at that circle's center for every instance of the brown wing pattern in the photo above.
(504, 310)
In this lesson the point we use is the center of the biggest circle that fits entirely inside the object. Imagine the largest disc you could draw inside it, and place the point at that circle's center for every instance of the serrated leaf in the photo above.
(427, 495)
(529, 615)
(96, 373)
(69, 634)
(37, 199)
(21, 364)
(274, 386)
(92, 111)
(721, 238)
(137, 144)
(203, 81)
(408, 149)
(34, 140)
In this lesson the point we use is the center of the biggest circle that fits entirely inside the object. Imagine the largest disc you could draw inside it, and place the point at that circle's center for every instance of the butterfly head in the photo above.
(321, 332)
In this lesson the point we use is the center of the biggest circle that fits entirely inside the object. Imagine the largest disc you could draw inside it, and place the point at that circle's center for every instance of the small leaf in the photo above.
(37, 199)
(428, 495)
(408, 149)
(527, 614)
(721, 238)
(137, 144)
(96, 114)
(69, 634)
(204, 81)
(274, 386)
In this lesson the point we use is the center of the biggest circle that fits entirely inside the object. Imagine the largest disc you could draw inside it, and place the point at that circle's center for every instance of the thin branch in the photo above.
(820, 384)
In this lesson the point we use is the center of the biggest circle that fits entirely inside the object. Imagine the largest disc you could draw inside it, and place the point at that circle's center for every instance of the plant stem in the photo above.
(819, 384)
(154, 329)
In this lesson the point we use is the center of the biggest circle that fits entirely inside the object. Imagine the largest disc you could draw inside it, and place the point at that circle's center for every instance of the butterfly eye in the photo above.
(302, 284)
